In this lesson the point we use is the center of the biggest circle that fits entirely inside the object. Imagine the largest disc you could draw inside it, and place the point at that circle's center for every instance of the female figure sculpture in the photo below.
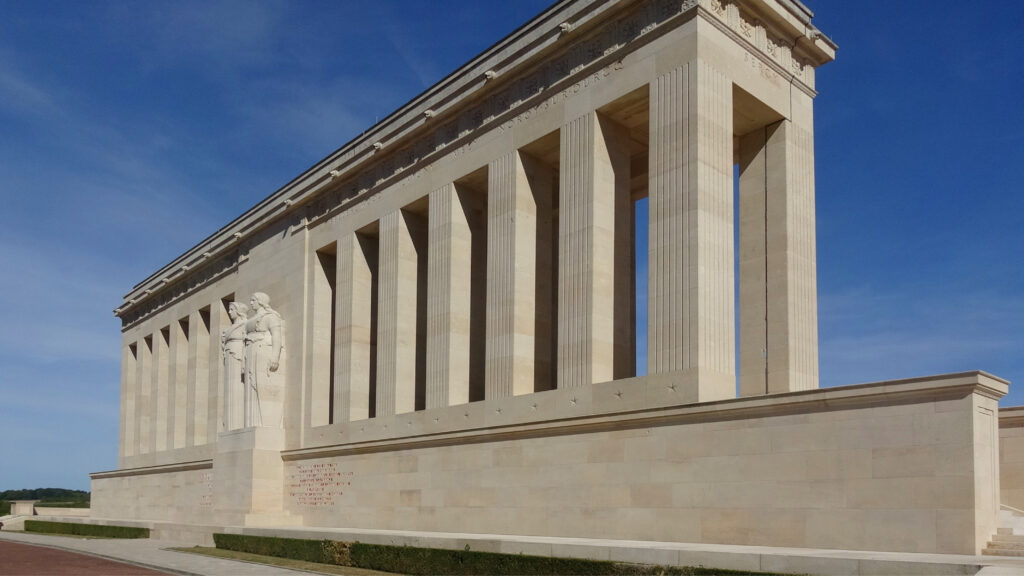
(232, 342)
(264, 339)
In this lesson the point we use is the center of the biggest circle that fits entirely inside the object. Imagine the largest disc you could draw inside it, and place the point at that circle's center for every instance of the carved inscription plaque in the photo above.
(206, 490)
(317, 485)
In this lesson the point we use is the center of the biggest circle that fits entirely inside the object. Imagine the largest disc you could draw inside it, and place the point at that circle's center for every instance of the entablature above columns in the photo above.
(556, 53)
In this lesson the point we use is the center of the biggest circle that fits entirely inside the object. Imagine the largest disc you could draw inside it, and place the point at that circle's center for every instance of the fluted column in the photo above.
(143, 395)
(753, 266)
(594, 280)
(690, 301)
(161, 369)
(513, 181)
(225, 410)
(320, 337)
(129, 355)
(778, 277)
(398, 298)
(178, 381)
(355, 369)
(449, 296)
(199, 377)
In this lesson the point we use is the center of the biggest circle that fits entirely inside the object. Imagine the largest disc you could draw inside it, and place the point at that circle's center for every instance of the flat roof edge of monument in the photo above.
(800, 27)
(269, 209)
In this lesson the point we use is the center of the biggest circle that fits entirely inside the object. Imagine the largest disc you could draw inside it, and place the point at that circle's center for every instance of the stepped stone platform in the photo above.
(1009, 537)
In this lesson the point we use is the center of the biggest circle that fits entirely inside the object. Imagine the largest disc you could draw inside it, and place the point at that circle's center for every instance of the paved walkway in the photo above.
(18, 559)
(143, 557)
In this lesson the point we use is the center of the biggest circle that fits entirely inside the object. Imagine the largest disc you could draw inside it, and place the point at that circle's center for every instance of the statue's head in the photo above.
(238, 310)
(259, 300)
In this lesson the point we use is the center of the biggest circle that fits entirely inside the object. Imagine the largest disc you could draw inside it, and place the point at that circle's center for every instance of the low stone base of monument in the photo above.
(1011, 456)
(901, 466)
(247, 473)
(282, 519)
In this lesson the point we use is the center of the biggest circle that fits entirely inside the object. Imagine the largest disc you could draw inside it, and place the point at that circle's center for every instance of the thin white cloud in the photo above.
(868, 335)
(422, 68)
(17, 93)
(220, 35)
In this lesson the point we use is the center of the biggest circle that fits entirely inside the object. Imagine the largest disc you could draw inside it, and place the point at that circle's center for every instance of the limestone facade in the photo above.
(1011, 456)
(458, 301)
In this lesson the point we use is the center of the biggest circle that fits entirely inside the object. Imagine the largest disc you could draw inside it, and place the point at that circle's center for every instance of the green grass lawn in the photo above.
(282, 562)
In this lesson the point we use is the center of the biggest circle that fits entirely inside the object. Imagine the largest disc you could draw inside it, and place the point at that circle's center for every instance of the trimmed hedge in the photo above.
(415, 561)
(75, 529)
(319, 551)
(410, 560)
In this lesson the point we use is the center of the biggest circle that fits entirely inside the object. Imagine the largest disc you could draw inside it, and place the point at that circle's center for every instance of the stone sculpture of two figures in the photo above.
(251, 346)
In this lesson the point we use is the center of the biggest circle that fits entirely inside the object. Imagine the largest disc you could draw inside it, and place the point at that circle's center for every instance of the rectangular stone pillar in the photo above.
(179, 382)
(594, 270)
(690, 300)
(356, 369)
(449, 296)
(512, 182)
(753, 265)
(143, 395)
(320, 338)
(199, 374)
(205, 429)
(778, 277)
(218, 416)
(129, 360)
(398, 295)
(159, 402)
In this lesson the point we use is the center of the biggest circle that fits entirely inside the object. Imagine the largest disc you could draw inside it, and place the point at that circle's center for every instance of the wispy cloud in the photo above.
(17, 93)
(220, 35)
(411, 55)
(868, 335)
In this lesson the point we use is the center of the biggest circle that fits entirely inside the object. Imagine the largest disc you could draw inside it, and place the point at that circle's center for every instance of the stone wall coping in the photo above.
(484, 74)
(1011, 417)
(881, 393)
(946, 386)
(162, 469)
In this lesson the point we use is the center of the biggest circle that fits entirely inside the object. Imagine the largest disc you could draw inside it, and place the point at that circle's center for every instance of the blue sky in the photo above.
(129, 131)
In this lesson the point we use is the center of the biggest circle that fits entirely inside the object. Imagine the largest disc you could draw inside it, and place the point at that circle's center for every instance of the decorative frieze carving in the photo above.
(199, 276)
(719, 8)
(772, 45)
(747, 27)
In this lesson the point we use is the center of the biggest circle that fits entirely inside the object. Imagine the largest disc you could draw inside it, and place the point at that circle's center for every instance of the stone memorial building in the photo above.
(434, 328)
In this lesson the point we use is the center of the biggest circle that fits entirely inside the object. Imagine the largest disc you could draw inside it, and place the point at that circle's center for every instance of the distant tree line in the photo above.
(66, 498)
